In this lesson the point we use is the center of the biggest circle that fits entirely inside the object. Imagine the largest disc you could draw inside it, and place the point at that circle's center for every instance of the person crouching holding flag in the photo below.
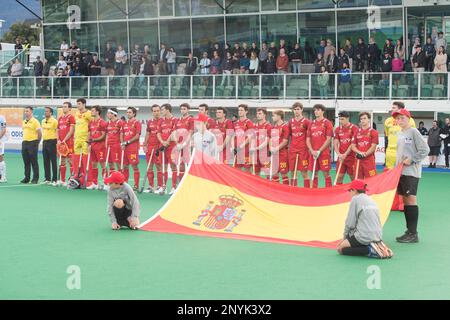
(123, 205)
(363, 231)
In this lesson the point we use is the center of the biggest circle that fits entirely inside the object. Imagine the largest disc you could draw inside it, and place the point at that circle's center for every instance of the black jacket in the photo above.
(386, 64)
(373, 52)
(191, 66)
(360, 52)
(38, 69)
(388, 49)
(429, 50)
(271, 65)
(419, 58)
(350, 51)
(343, 59)
(332, 66)
(296, 54)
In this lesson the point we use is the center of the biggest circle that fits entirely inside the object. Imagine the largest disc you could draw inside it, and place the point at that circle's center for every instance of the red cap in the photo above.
(115, 177)
(358, 185)
(402, 112)
(201, 117)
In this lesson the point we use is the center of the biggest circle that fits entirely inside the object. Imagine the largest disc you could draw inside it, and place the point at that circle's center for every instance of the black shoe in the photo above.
(434, 165)
(430, 166)
(25, 181)
(409, 237)
(34, 182)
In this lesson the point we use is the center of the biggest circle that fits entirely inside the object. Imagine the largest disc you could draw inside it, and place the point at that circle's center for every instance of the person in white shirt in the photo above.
(62, 64)
(64, 49)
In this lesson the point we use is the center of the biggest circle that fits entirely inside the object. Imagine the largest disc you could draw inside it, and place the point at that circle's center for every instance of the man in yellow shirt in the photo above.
(391, 130)
(49, 127)
(81, 136)
(32, 135)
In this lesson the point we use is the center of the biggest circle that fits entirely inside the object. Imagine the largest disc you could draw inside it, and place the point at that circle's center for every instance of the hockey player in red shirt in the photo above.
(298, 150)
(364, 145)
(66, 129)
(224, 129)
(113, 148)
(152, 145)
(166, 138)
(244, 133)
(184, 128)
(318, 141)
(279, 146)
(204, 109)
(343, 137)
(130, 134)
(258, 151)
(97, 147)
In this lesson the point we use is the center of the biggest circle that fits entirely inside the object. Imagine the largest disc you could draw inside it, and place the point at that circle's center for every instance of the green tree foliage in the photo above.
(23, 31)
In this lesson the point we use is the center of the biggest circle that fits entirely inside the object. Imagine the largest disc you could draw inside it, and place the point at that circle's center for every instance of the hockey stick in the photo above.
(338, 172)
(149, 164)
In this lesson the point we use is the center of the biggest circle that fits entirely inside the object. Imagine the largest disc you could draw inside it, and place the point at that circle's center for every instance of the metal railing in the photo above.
(360, 86)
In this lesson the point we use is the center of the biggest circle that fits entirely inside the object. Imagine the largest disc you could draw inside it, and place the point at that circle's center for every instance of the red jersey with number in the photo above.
(166, 127)
(184, 126)
(345, 134)
(364, 139)
(113, 132)
(298, 130)
(97, 128)
(318, 132)
(283, 134)
(222, 128)
(241, 127)
(130, 129)
(262, 131)
(152, 129)
(64, 124)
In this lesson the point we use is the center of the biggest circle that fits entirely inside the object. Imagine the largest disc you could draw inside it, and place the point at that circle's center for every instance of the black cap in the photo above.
(344, 114)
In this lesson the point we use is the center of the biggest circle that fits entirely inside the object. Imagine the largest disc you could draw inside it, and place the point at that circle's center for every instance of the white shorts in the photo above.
(2, 147)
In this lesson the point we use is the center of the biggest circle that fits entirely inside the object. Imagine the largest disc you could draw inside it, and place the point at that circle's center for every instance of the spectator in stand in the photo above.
(321, 48)
(108, 58)
(82, 67)
(236, 63)
(64, 49)
(282, 62)
(244, 63)
(191, 64)
(70, 72)
(397, 66)
(216, 63)
(360, 56)
(446, 137)
(399, 50)
(121, 60)
(440, 41)
(62, 64)
(136, 59)
(389, 48)
(227, 67)
(296, 58)
(271, 66)
(343, 58)
(328, 49)
(440, 65)
(246, 49)
(419, 60)
(254, 49)
(263, 54)
(345, 79)
(423, 131)
(162, 59)
(430, 53)
(172, 61)
(216, 47)
(349, 51)
(283, 46)
(254, 63)
(205, 65)
(16, 68)
(386, 66)
(415, 46)
(145, 69)
(322, 81)
(38, 67)
(373, 52)
(332, 62)
(95, 69)
(273, 49)
(434, 142)
(74, 51)
(318, 63)
(237, 50)
(147, 52)
(228, 49)
(18, 46)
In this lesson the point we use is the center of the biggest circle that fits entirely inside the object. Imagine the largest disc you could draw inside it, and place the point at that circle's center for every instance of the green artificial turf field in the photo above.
(44, 230)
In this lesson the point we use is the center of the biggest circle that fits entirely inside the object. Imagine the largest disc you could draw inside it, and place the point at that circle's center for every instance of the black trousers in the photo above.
(122, 215)
(30, 159)
(446, 153)
(49, 154)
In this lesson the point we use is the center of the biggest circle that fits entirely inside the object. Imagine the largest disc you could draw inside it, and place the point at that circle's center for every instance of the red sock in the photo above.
(316, 182)
(62, 173)
(126, 173)
(306, 183)
(174, 179)
(151, 178)
(95, 176)
(104, 173)
(328, 183)
(159, 178)
(136, 175)
(338, 183)
(285, 179)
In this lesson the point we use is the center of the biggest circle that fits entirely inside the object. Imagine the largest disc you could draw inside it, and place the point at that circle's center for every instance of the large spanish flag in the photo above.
(216, 200)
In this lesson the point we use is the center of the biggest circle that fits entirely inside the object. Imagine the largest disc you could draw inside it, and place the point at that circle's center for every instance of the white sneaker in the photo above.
(161, 191)
(92, 187)
(172, 191)
(54, 183)
(3, 180)
(46, 182)
(148, 190)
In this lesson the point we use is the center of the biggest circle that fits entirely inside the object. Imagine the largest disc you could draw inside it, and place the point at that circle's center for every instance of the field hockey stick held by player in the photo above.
(121, 160)
(294, 177)
(313, 172)
(146, 172)
(87, 168)
(163, 171)
(338, 172)
(178, 163)
(271, 168)
(357, 169)
(59, 169)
